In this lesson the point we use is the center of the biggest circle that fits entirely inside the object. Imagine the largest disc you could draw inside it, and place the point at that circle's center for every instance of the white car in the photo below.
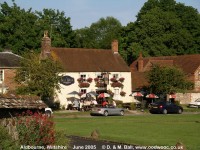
(48, 111)
(196, 103)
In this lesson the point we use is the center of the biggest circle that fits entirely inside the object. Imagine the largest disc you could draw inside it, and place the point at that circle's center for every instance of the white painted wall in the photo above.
(62, 95)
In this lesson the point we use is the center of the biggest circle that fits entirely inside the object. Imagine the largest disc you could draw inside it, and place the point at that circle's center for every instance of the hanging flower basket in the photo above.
(100, 84)
(96, 79)
(89, 80)
(121, 79)
(122, 93)
(117, 84)
(113, 79)
(84, 84)
(80, 80)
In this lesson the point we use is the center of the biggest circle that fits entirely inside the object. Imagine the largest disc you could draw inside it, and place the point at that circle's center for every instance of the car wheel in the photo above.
(48, 113)
(164, 111)
(122, 113)
(105, 113)
(180, 111)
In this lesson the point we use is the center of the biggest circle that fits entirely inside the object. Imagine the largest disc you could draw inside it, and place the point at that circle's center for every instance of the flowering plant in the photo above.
(89, 80)
(113, 79)
(117, 84)
(122, 93)
(35, 129)
(84, 84)
(121, 79)
(96, 79)
(80, 80)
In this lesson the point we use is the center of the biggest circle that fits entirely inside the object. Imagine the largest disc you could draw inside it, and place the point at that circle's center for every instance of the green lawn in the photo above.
(148, 130)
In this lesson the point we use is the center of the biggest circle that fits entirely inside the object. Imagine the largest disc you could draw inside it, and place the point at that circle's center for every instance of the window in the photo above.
(116, 91)
(83, 76)
(1, 76)
(100, 76)
(115, 76)
(83, 91)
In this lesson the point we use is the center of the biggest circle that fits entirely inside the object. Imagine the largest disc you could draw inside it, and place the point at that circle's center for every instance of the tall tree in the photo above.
(16, 29)
(21, 30)
(100, 34)
(38, 77)
(163, 27)
(59, 27)
(168, 80)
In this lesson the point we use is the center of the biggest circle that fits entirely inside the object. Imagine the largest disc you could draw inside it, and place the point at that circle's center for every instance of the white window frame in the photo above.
(99, 75)
(84, 90)
(1, 75)
(85, 76)
(115, 75)
(116, 91)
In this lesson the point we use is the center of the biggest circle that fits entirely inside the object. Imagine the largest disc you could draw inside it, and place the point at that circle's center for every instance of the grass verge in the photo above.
(150, 130)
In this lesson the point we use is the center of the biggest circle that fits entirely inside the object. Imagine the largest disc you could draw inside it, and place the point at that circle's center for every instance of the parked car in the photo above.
(165, 107)
(48, 111)
(195, 104)
(107, 110)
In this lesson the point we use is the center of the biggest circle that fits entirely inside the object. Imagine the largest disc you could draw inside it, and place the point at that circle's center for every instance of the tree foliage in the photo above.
(21, 30)
(100, 34)
(168, 80)
(162, 28)
(38, 77)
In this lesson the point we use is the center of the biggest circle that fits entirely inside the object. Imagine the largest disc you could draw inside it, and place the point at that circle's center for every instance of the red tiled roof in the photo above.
(188, 63)
(89, 60)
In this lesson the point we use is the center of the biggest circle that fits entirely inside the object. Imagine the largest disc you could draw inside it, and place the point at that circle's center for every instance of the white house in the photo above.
(86, 70)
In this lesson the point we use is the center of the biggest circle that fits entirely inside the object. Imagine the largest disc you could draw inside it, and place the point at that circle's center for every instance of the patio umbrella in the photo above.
(152, 96)
(74, 93)
(72, 99)
(103, 95)
(137, 94)
(87, 95)
(172, 96)
(93, 93)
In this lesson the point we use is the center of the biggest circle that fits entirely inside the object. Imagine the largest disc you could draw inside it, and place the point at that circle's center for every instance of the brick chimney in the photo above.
(140, 63)
(115, 46)
(46, 45)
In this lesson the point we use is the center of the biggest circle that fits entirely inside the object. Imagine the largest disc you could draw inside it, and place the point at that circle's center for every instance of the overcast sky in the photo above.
(85, 12)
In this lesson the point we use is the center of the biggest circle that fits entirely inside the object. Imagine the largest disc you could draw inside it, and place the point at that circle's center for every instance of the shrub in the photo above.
(133, 106)
(177, 102)
(6, 142)
(35, 129)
